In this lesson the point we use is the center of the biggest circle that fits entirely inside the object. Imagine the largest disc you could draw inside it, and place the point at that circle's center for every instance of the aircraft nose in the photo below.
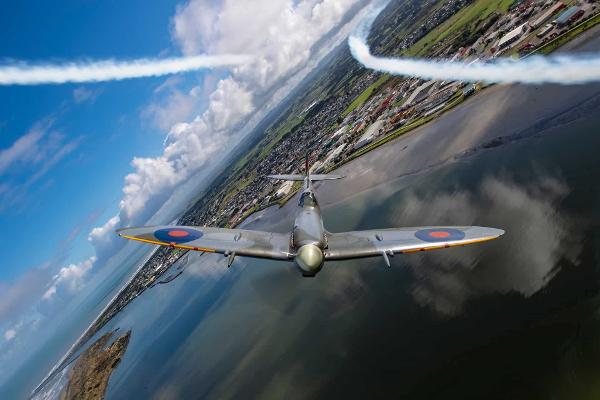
(309, 259)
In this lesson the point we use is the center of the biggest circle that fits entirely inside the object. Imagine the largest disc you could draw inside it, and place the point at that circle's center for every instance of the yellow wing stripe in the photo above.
(179, 246)
(444, 246)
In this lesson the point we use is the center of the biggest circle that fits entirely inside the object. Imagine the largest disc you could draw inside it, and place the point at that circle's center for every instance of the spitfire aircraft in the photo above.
(309, 244)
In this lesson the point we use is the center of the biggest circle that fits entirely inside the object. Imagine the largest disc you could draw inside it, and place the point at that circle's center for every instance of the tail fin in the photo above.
(313, 178)
(307, 169)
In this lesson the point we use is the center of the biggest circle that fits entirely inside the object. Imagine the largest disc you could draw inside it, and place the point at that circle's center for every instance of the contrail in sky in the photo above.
(563, 69)
(110, 70)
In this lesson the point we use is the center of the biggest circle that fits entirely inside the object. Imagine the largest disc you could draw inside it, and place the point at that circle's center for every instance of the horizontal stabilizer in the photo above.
(287, 177)
(313, 178)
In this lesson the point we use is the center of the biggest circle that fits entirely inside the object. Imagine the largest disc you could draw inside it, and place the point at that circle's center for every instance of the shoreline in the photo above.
(590, 33)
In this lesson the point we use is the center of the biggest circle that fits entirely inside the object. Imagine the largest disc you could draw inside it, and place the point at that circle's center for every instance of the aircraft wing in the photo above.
(384, 242)
(214, 240)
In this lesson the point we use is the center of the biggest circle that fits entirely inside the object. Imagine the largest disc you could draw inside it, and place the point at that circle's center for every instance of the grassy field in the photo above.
(266, 144)
(478, 11)
(280, 134)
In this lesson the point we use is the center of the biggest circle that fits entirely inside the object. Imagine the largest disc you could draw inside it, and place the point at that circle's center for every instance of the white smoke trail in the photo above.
(111, 70)
(563, 69)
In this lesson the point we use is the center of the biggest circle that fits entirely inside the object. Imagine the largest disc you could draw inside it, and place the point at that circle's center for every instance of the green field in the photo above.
(364, 96)
(478, 11)
(280, 134)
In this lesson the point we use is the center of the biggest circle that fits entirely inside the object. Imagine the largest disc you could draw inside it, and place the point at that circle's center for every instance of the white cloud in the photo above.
(103, 238)
(176, 107)
(280, 35)
(22, 293)
(69, 279)
(9, 334)
(48, 294)
(29, 159)
(82, 94)
(24, 149)
(284, 37)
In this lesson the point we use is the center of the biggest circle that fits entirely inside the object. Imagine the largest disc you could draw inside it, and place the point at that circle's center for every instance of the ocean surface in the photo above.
(515, 318)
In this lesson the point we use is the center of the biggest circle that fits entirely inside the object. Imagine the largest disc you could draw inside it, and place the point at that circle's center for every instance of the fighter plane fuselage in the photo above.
(308, 234)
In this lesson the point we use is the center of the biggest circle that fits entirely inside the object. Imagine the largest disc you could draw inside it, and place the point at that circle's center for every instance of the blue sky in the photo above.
(103, 123)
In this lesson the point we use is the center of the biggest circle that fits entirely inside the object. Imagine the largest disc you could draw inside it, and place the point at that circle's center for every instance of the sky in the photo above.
(79, 160)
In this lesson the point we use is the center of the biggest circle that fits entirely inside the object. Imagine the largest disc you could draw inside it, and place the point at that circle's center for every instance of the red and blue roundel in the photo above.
(177, 235)
(439, 234)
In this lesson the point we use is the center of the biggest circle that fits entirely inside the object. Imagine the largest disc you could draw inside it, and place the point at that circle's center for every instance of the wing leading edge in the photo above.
(240, 242)
(371, 243)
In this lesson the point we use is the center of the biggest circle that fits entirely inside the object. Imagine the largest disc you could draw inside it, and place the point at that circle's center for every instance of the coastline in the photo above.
(453, 135)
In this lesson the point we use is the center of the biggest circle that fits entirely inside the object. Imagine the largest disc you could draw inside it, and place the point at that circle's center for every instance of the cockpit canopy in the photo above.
(308, 199)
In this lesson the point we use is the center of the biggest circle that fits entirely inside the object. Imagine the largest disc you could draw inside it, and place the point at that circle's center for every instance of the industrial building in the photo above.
(512, 36)
(565, 18)
(548, 14)
(330, 160)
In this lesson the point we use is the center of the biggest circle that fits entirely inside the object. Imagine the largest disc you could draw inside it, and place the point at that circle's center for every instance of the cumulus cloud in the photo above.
(522, 261)
(285, 38)
(49, 294)
(70, 278)
(9, 334)
(281, 35)
(101, 237)
(176, 107)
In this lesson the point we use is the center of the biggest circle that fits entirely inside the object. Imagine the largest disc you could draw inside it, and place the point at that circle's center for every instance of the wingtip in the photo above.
(121, 230)
(490, 232)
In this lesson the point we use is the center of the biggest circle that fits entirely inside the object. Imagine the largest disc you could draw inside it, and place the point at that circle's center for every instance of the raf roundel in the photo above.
(439, 234)
(177, 235)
